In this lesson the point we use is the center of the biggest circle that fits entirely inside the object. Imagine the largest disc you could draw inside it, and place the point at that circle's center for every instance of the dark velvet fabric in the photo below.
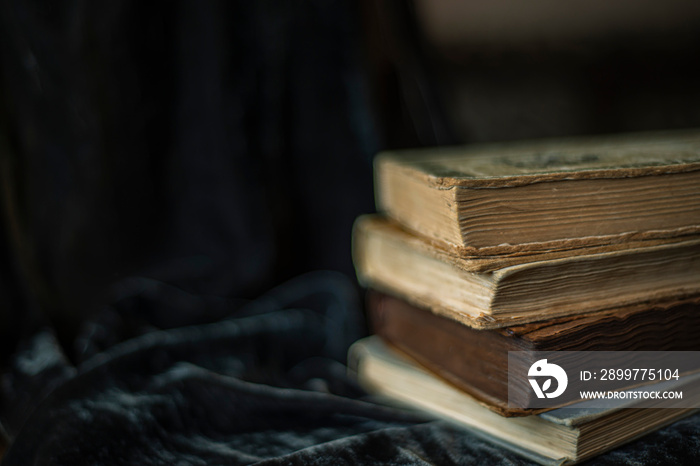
(162, 164)
(263, 384)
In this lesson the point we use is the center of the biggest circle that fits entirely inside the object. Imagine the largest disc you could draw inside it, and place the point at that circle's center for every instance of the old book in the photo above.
(566, 435)
(476, 361)
(545, 195)
(391, 259)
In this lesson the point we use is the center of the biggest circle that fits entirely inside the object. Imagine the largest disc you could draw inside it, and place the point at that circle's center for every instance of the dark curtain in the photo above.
(220, 146)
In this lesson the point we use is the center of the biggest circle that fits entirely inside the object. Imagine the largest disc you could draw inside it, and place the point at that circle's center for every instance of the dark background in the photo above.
(225, 147)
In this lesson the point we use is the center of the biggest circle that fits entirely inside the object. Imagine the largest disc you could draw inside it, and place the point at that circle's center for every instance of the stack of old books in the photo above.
(568, 245)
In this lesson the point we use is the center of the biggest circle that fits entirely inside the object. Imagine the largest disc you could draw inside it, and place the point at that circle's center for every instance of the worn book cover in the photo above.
(392, 259)
(545, 195)
(562, 436)
(476, 361)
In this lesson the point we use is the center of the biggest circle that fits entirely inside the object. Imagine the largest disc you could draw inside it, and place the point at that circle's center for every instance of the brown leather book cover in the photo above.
(476, 361)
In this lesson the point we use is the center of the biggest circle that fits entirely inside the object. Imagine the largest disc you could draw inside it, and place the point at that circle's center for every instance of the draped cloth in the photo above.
(264, 383)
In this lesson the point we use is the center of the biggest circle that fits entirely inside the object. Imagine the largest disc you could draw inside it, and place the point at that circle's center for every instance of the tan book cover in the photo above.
(559, 194)
(389, 258)
(562, 436)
